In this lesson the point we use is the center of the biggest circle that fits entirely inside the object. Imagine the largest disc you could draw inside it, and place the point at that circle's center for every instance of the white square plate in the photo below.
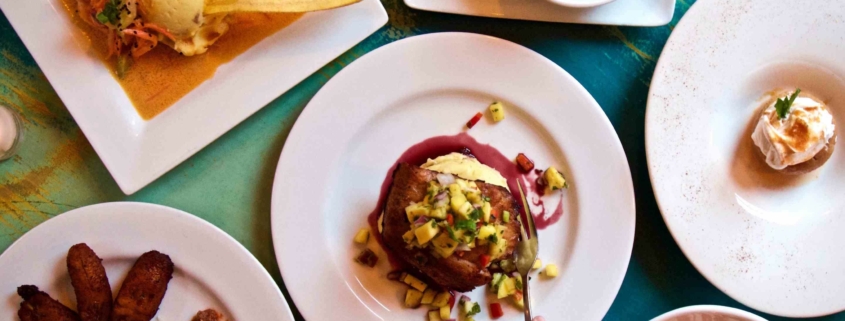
(135, 151)
(643, 13)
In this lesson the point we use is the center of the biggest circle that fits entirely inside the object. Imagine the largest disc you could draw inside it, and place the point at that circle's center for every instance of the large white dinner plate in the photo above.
(344, 143)
(135, 151)
(644, 13)
(771, 242)
(707, 313)
(212, 270)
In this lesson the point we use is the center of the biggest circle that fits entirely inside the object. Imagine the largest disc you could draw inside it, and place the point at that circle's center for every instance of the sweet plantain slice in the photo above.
(90, 283)
(143, 289)
(39, 306)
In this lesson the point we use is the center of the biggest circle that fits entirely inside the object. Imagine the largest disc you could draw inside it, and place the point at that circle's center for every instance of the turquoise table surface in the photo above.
(229, 182)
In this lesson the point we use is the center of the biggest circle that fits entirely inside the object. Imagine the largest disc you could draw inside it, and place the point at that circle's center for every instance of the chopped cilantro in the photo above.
(476, 309)
(467, 225)
(493, 239)
(475, 214)
(485, 198)
(518, 282)
(433, 223)
(782, 106)
(110, 13)
(451, 233)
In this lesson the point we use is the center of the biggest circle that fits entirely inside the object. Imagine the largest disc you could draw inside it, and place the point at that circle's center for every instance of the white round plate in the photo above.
(212, 269)
(580, 3)
(347, 138)
(768, 241)
(707, 313)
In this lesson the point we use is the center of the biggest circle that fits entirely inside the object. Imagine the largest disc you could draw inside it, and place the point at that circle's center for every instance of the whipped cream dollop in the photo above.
(806, 130)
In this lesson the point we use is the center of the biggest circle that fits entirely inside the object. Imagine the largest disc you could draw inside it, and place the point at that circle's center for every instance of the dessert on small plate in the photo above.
(741, 128)
(796, 134)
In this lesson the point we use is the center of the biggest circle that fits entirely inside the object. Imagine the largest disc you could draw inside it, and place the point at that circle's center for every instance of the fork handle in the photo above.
(526, 298)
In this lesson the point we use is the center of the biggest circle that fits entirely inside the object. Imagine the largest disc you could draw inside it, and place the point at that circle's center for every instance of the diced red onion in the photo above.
(441, 196)
(464, 299)
(463, 248)
(538, 318)
(420, 221)
(445, 179)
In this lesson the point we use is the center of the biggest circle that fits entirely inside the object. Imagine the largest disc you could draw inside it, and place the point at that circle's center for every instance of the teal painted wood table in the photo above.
(229, 182)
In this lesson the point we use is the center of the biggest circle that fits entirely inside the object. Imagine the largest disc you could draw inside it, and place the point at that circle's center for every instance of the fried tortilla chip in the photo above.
(218, 6)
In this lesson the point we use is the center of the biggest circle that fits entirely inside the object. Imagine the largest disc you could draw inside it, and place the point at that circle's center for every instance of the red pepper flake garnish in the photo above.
(485, 260)
(450, 219)
(496, 310)
(474, 120)
(525, 164)
(367, 257)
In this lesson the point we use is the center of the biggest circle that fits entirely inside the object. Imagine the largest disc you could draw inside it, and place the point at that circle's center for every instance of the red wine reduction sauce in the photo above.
(486, 154)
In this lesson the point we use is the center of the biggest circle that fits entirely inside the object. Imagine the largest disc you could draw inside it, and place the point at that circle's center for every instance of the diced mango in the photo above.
(415, 283)
(537, 264)
(413, 298)
(497, 110)
(434, 315)
(426, 232)
(484, 232)
(518, 300)
(438, 213)
(428, 296)
(551, 270)
(554, 180)
(504, 290)
(465, 210)
(444, 245)
(496, 250)
(445, 312)
(408, 236)
(441, 300)
(414, 211)
(474, 197)
(362, 236)
(486, 209)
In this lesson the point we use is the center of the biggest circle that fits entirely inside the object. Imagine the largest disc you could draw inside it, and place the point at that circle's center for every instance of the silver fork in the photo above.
(526, 251)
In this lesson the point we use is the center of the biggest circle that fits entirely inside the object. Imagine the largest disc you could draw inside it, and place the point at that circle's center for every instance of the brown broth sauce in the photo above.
(161, 77)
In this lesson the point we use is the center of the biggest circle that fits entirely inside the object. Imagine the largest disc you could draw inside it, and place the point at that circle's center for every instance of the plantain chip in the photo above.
(218, 6)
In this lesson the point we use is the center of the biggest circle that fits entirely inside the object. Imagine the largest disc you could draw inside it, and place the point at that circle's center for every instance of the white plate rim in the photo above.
(287, 256)
(136, 152)
(649, 13)
(254, 276)
(722, 310)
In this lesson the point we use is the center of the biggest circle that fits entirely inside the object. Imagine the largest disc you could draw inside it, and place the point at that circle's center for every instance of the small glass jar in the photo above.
(11, 132)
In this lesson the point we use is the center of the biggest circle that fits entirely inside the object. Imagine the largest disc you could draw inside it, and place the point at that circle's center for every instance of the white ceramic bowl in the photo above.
(707, 313)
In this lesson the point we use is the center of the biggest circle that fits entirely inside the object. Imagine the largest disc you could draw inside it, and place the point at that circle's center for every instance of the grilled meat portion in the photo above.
(39, 306)
(457, 272)
(90, 283)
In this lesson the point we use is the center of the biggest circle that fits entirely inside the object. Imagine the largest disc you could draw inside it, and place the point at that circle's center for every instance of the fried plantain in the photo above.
(39, 306)
(143, 289)
(90, 283)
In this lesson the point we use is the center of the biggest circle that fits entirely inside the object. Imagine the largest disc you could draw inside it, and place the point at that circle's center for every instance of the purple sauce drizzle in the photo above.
(486, 154)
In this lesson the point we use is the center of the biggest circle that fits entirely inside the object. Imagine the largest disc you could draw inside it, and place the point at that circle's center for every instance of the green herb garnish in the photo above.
(493, 239)
(451, 233)
(782, 106)
(475, 214)
(476, 309)
(110, 13)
